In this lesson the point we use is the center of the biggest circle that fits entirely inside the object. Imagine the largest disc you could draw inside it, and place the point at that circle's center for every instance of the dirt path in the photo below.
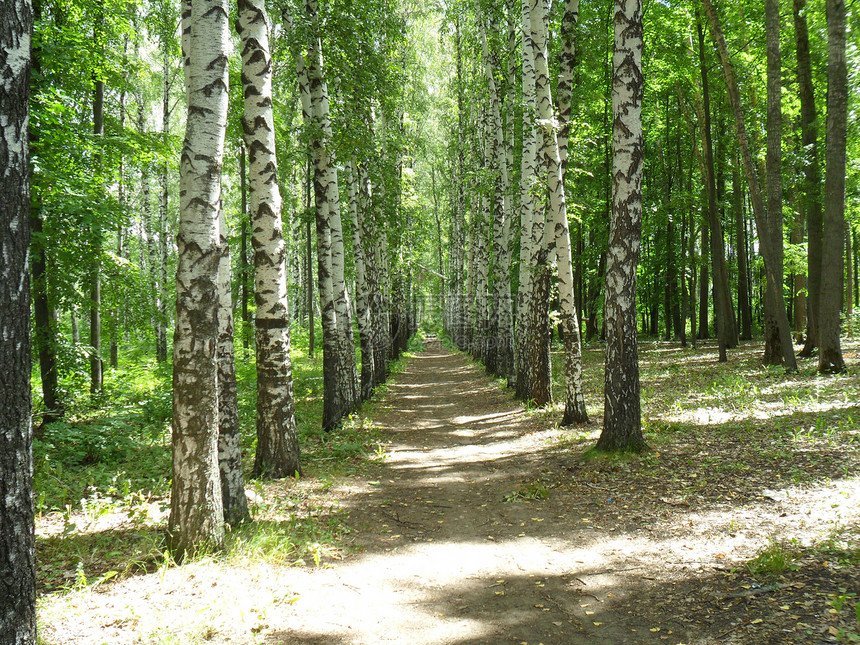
(454, 551)
(482, 524)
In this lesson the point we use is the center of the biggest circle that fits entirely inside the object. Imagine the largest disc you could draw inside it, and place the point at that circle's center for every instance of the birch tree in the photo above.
(17, 538)
(277, 442)
(534, 378)
(622, 420)
(196, 518)
(340, 377)
(574, 409)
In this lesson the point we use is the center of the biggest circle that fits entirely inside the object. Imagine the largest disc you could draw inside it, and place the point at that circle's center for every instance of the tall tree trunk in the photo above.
(575, 410)
(772, 349)
(773, 267)
(96, 363)
(196, 513)
(17, 538)
(534, 377)
(726, 328)
(810, 201)
(161, 288)
(744, 304)
(357, 215)
(340, 377)
(244, 265)
(502, 313)
(277, 441)
(830, 360)
(622, 421)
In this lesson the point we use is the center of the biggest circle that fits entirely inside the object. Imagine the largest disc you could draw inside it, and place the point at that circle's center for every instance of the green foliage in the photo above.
(776, 558)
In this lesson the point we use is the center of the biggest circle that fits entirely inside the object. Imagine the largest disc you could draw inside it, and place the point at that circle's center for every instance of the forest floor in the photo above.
(479, 521)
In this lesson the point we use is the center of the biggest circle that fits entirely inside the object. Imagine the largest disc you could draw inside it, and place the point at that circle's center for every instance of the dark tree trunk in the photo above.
(772, 342)
(704, 284)
(773, 266)
(830, 358)
(96, 364)
(244, 265)
(17, 539)
(810, 200)
(744, 305)
(724, 315)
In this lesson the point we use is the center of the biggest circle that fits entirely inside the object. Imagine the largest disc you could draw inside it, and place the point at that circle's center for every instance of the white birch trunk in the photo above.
(233, 499)
(277, 442)
(196, 515)
(574, 408)
(340, 378)
(622, 421)
(17, 537)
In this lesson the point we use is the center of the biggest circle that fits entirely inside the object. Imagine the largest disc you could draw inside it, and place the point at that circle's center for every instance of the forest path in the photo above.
(483, 523)
(457, 544)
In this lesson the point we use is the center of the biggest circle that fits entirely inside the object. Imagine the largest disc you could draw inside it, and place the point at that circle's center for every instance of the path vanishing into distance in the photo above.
(482, 523)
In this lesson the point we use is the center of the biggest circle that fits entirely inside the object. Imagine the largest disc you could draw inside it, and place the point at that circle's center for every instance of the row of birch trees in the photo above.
(495, 217)
(518, 169)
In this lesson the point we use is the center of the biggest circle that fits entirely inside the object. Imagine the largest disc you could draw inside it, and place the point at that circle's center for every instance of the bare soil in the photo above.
(482, 522)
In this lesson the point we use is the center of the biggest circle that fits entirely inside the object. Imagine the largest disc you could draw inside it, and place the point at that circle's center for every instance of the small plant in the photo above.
(533, 490)
(776, 558)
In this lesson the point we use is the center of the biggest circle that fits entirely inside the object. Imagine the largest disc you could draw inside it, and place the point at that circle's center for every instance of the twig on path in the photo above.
(403, 523)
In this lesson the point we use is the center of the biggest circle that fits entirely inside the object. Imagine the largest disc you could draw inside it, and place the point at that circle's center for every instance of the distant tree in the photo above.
(622, 417)
(196, 513)
(17, 539)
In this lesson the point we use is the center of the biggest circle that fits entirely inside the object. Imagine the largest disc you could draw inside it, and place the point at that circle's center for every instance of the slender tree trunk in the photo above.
(17, 538)
(163, 203)
(277, 441)
(244, 267)
(340, 378)
(772, 348)
(575, 410)
(357, 216)
(810, 201)
(309, 255)
(726, 329)
(96, 363)
(704, 282)
(196, 513)
(744, 305)
(502, 313)
(773, 267)
(830, 360)
(622, 421)
(534, 380)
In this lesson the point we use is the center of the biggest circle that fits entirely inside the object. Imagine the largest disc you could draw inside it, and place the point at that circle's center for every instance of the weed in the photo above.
(776, 558)
(531, 491)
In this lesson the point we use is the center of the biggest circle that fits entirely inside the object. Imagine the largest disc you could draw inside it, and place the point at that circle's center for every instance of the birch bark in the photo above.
(622, 421)
(17, 539)
(574, 409)
(277, 442)
(340, 377)
(534, 378)
(196, 514)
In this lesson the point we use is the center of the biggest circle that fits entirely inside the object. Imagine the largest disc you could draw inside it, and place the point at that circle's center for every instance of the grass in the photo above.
(102, 475)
